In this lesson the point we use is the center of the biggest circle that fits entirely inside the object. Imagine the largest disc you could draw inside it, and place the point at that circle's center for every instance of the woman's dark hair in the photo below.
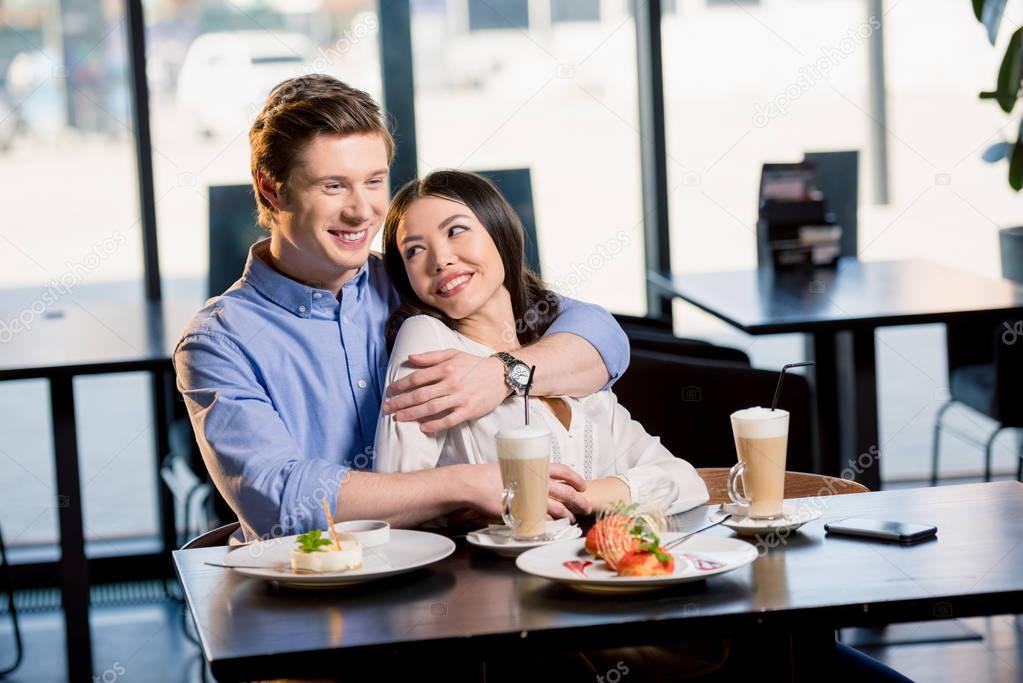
(535, 307)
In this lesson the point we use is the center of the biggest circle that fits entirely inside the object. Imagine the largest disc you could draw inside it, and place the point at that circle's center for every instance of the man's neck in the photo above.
(493, 324)
(290, 262)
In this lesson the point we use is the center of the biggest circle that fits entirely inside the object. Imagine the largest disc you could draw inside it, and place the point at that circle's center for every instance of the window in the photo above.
(729, 110)
(808, 89)
(947, 206)
(561, 103)
(71, 240)
(209, 74)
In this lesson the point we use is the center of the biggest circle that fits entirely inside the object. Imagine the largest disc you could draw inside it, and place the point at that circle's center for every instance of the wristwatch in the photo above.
(516, 373)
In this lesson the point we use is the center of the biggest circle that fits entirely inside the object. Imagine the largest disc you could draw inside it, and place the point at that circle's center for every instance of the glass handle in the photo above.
(733, 489)
(507, 496)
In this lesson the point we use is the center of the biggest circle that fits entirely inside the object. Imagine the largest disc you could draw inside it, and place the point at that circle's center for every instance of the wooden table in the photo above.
(90, 339)
(474, 604)
(840, 308)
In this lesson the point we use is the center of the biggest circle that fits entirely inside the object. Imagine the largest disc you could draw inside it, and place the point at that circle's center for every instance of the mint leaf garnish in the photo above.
(311, 542)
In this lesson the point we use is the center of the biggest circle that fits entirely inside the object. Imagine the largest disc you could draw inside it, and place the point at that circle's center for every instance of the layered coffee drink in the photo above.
(524, 455)
(761, 441)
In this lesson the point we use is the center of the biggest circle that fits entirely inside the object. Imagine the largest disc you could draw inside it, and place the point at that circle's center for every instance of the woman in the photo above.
(453, 249)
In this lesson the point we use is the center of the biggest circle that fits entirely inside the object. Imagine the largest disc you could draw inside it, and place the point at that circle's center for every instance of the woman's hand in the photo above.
(482, 485)
(451, 387)
(602, 492)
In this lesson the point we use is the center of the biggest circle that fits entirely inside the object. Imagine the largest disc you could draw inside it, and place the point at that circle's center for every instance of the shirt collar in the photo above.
(291, 294)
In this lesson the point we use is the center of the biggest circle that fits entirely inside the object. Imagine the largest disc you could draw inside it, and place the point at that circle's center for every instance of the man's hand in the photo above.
(450, 388)
(564, 492)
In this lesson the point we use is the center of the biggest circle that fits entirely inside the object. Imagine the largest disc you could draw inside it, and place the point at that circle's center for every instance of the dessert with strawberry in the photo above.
(609, 538)
(628, 542)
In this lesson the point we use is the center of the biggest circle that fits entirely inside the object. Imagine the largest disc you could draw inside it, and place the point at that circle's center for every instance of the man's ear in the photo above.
(269, 192)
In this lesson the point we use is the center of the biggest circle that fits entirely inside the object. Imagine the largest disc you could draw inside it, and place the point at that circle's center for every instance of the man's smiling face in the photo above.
(331, 208)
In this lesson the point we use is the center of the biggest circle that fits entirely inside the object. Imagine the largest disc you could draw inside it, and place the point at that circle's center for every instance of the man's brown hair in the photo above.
(295, 112)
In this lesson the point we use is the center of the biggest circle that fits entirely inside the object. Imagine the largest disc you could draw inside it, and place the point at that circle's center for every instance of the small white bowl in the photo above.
(370, 532)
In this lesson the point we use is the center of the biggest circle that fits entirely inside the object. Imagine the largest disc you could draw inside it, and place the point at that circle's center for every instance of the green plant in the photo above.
(1007, 89)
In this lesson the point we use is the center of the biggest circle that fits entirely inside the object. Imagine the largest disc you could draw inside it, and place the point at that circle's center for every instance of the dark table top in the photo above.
(853, 294)
(477, 602)
(83, 338)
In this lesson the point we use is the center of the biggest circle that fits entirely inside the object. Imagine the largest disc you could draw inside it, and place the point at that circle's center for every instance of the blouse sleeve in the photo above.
(654, 476)
(402, 446)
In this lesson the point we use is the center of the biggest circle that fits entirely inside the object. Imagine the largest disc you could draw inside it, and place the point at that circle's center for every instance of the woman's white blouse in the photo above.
(602, 439)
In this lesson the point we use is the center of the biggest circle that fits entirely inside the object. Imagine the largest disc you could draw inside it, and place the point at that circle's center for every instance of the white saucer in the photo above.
(498, 538)
(793, 517)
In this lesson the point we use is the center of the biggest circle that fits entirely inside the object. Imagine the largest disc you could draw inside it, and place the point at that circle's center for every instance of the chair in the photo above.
(644, 324)
(213, 538)
(191, 495)
(984, 362)
(836, 175)
(686, 401)
(517, 187)
(838, 178)
(8, 588)
(797, 485)
(233, 229)
(662, 342)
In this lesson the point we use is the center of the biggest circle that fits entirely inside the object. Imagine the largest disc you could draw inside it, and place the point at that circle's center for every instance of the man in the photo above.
(282, 375)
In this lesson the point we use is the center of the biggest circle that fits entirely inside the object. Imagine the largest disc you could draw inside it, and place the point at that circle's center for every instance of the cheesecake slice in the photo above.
(314, 555)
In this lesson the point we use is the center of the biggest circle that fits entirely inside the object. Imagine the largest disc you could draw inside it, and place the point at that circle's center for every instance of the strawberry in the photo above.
(609, 538)
(621, 531)
(646, 563)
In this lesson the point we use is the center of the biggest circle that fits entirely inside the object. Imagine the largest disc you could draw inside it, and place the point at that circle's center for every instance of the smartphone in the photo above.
(902, 532)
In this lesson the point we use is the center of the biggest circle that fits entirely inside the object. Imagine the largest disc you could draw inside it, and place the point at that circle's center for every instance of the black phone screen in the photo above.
(879, 528)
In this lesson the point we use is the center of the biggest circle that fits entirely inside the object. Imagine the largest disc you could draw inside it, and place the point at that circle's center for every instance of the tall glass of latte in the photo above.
(524, 454)
(761, 439)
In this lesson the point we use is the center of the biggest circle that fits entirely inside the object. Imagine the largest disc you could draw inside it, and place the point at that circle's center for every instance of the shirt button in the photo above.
(301, 309)
(317, 295)
(362, 384)
(344, 319)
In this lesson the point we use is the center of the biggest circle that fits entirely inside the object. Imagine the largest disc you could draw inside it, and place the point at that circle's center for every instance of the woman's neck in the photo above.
(493, 323)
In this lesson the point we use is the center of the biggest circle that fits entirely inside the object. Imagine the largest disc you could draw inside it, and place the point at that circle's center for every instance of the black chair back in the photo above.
(686, 401)
(233, 229)
(686, 348)
(838, 176)
(835, 174)
(643, 324)
(517, 187)
(213, 538)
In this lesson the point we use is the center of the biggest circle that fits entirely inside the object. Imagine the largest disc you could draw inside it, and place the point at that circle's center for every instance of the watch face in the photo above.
(519, 374)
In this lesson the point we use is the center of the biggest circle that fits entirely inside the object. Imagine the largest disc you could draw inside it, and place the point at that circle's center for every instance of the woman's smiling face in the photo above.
(451, 260)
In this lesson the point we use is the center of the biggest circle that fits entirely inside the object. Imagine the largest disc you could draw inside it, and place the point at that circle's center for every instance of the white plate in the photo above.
(506, 546)
(407, 550)
(793, 517)
(696, 559)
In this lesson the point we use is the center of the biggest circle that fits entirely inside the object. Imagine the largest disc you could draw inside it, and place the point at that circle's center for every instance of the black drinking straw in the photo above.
(525, 396)
(781, 378)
